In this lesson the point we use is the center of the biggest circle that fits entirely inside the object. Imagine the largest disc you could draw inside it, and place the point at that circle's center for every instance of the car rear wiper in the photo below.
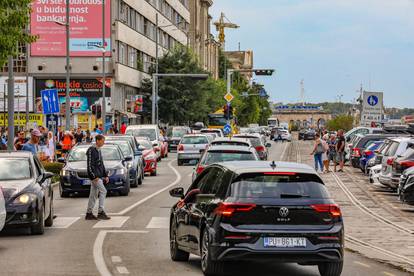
(292, 196)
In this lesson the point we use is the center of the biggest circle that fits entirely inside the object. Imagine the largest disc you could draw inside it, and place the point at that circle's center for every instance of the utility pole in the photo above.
(27, 82)
(155, 80)
(103, 69)
(10, 104)
(67, 26)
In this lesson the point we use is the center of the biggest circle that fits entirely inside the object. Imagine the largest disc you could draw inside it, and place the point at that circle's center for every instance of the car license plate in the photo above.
(285, 242)
(86, 182)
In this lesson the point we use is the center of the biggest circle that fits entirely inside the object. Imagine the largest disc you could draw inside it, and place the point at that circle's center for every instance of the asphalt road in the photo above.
(135, 241)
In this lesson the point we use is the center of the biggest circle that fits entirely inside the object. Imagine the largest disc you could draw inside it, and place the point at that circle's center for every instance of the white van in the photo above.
(150, 131)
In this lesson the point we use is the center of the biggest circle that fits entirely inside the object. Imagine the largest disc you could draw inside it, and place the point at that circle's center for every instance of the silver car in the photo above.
(191, 147)
(2, 210)
(231, 141)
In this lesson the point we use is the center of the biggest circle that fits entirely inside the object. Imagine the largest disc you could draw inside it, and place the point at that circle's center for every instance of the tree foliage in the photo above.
(340, 122)
(14, 17)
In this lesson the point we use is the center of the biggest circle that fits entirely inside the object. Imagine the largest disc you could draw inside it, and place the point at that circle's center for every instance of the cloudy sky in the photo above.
(334, 45)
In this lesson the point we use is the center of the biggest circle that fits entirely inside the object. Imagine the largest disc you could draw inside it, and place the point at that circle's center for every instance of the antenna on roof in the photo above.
(273, 165)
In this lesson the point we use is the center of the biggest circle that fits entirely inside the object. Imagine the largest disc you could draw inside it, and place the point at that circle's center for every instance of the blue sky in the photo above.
(334, 45)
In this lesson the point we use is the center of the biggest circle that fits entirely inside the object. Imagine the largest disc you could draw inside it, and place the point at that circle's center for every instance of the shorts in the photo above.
(340, 157)
(332, 156)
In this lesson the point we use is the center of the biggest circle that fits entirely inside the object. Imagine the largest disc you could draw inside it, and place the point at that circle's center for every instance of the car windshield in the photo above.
(179, 132)
(14, 169)
(144, 143)
(125, 147)
(278, 186)
(194, 140)
(143, 132)
(226, 156)
(108, 153)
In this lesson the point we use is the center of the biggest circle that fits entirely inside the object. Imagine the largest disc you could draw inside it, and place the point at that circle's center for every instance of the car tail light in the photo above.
(367, 152)
(332, 209)
(356, 152)
(390, 161)
(406, 164)
(180, 147)
(260, 148)
(228, 209)
(199, 169)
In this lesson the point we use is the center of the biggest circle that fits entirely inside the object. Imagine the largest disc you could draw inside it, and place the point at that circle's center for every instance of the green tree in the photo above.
(344, 122)
(14, 17)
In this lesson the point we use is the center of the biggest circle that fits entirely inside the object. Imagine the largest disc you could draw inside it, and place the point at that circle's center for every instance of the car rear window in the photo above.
(392, 149)
(232, 143)
(369, 142)
(278, 186)
(194, 140)
(212, 157)
(409, 153)
(255, 141)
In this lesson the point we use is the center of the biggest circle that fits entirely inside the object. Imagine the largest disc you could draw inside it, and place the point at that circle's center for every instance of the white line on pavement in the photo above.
(114, 222)
(387, 273)
(362, 264)
(284, 152)
(136, 204)
(64, 222)
(116, 259)
(159, 223)
(98, 249)
(122, 270)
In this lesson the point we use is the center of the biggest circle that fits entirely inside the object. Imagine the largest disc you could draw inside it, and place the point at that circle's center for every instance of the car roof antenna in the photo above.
(273, 165)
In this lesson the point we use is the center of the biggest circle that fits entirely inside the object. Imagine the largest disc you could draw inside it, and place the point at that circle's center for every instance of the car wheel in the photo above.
(49, 220)
(154, 173)
(141, 178)
(208, 266)
(134, 183)
(331, 269)
(62, 193)
(177, 255)
(39, 227)
(179, 162)
(126, 189)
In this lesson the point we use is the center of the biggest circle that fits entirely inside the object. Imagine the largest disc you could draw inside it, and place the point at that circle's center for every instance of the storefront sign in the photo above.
(20, 119)
(85, 27)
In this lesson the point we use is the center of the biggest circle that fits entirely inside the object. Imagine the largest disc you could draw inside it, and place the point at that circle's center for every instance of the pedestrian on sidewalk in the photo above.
(123, 128)
(98, 175)
(317, 152)
(340, 150)
(332, 151)
(325, 157)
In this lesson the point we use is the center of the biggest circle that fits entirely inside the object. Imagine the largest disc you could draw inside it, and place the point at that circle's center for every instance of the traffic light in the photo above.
(98, 112)
(93, 107)
(264, 72)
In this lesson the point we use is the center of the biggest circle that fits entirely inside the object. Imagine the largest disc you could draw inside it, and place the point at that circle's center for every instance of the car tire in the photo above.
(179, 163)
(134, 184)
(39, 227)
(154, 173)
(208, 266)
(126, 190)
(62, 193)
(141, 178)
(177, 255)
(49, 220)
(331, 269)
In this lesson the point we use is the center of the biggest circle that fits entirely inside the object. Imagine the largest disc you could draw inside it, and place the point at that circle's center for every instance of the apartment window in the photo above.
(140, 23)
(131, 18)
(132, 57)
(122, 52)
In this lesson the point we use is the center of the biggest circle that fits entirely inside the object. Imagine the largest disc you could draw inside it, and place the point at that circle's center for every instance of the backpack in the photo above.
(319, 149)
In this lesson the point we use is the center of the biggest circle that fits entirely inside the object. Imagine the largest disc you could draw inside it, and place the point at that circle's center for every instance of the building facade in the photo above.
(241, 60)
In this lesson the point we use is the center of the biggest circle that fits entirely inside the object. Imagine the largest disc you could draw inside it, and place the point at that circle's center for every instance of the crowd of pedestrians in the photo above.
(327, 149)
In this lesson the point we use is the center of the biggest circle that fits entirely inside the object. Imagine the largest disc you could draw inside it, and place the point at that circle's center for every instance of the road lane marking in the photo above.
(64, 222)
(114, 222)
(284, 151)
(122, 270)
(98, 249)
(362, 264)
(116, 259)
(138, 203)
(159, 223)
(387, 273)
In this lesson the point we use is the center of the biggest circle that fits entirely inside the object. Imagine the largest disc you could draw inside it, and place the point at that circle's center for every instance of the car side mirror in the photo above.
(268, 145)
(348, 139)
(45, 176)
(61, 160)
(128, 158)
(177, 192)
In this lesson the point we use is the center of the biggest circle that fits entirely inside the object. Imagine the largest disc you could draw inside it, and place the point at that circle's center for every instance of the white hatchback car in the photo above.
(2, 210)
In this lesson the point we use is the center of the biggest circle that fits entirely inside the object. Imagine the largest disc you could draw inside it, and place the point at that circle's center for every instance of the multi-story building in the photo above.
(130, 51)
(202, 42)
(241, 60)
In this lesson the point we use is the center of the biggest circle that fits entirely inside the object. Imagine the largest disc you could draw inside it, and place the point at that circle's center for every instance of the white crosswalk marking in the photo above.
(64, 222)
(114, 222)
(159, 223)
(122, 270)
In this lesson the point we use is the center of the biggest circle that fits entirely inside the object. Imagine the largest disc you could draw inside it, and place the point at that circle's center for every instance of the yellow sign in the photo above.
(20, 120)
(228, 97)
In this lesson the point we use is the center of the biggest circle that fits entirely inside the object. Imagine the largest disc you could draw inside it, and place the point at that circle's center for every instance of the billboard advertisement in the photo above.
(83, 93)
(372, 108)
(19, 94)
(85, 27)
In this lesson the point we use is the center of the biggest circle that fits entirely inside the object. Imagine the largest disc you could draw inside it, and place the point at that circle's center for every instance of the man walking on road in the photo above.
(340, 150)
(98, 175)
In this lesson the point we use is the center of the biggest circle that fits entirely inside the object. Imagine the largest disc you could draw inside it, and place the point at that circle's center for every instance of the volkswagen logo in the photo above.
(283, 212)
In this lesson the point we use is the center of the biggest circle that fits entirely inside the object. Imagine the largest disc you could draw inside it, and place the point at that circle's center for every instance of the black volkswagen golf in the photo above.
(258, 210)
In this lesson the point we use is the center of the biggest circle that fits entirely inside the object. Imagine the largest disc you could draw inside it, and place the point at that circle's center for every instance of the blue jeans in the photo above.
(98, 190)
(318, 160)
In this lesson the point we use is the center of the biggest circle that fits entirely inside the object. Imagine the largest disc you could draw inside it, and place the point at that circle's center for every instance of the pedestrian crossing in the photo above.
(64, 222)
(159, 223)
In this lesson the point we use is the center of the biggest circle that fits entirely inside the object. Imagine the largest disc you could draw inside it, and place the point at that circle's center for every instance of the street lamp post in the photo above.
(10, 105)
(67, 27)
(103, 69)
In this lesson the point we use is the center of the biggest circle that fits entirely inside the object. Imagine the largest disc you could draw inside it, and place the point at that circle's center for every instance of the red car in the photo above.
(149, 155)
(164, 148)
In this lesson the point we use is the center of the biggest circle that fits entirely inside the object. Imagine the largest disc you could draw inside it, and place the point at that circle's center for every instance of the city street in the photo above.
(135, 241)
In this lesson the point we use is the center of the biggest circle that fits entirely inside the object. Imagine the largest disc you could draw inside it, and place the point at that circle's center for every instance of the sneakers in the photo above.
(90, 216)
(103, 216)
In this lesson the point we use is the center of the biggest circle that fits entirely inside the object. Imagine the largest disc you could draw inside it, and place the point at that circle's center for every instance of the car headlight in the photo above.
(129, 164)
(24, 199)
(65, 173)
(120, 171)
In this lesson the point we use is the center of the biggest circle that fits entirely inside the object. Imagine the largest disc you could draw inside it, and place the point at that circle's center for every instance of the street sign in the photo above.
(228, 97)
(227, 129)
(371, 108)
(50, 101)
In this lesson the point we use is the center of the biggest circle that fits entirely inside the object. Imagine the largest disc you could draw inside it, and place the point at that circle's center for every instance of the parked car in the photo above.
(374, 173)
(367, 159)
(308, 134)
(27, 191)
(396, 148)
(3, 212)
(149, 154)
(232, 141)
(225, 153)
(175, 134)
(191, 147)
(218, 131)
(361, 130)
(257, 142)
(400, 164)
(406, 187)
(150, 131)
(74, 176)
(274, 212)
(136, 175)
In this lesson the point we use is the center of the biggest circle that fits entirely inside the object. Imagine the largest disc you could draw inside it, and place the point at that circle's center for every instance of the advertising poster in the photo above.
(83, 93)
(19, 94)
(20, 119)
(48, 21)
